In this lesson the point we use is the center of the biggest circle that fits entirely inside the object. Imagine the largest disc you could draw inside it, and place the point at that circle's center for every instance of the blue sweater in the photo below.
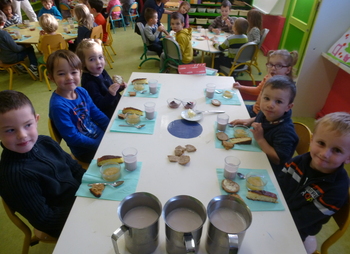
(80, 123)
(53, 11)
(312, 196)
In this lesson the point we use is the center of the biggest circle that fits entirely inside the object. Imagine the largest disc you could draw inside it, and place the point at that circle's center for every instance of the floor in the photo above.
(129, 48)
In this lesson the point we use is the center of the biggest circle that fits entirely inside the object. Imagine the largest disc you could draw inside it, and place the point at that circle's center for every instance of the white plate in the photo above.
(197, 117)
(200, 38)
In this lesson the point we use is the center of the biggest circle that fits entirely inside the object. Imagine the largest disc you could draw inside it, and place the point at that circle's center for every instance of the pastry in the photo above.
(133, 111)
(131, 94)
(109, 159)
(190, 148)
(181, 147)
(230, 186)
(222, 136)
(241, 141)
(97, 189)
(121, 116)
(216, 102)
(184, 159)
(173, 158)
(227, 94)
(139, 81)
(227, 144)
(117, 79)
(261, 195)
(179, 152)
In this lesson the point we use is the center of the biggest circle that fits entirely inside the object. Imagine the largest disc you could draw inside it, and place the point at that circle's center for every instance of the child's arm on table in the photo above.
(247, 122)
(253, 90)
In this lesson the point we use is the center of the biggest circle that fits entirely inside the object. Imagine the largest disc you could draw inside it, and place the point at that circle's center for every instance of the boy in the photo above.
(273, 128)
(153, 32)
(11, 17)
(37, 178)
(315, 185)
(13, 53)
(49, 8)
(96, 7)
(224, 22)
(232, 43)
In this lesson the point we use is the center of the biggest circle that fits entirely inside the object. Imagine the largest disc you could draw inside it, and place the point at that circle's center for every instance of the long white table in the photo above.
(92, 221)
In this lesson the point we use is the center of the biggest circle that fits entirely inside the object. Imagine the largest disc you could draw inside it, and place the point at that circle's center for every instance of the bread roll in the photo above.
(140, 81)
(241, 141)
(133, 111)
(109, 159)
(230, 186)
(97, 189)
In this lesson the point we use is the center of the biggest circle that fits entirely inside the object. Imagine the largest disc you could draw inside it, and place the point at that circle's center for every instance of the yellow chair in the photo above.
(304, 135)
(97, 33)
(342, 218)
(10, 68)
(31, 238)
(55, 135)
(109, 42)
(49, 44)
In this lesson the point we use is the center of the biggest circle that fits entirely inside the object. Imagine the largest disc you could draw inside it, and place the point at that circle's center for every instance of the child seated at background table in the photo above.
(96, 7)
(49, 25)
(183, 9)
(153, 32)
(37, 178)
(232, 44)
(112, 3)
(315, 185)
(224, 22)
(13, 53)
(48, 7)
(103, 91)
(273, 128)
(254, 18)
(11, 17)
(66, 13)
(80, 123)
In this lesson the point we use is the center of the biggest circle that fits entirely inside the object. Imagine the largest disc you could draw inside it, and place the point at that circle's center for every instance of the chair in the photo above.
(264, 33)
(117, 8)
(50, 44)
(172, 52)
(133, 13)
(304, 135)
(65, 7)
(242, 62)
(146, 51)
(31, 238)
(97, 33)
(109, 42)
(10, 68)
(55, 135)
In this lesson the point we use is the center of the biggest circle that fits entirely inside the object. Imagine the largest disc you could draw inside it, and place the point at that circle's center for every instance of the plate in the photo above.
(197, 117)
(199, 38)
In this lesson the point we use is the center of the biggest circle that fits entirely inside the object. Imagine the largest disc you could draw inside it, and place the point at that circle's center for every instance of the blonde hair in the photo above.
(254, 18)
(86, 44)
(48, 23)
(338, 122)
(83, 16)
(290, 58)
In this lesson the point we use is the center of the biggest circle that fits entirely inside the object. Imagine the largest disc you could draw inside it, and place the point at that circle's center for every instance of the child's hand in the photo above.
(42, 32)
(169, 37)
(246, 122)
(228, 22)
(216, 31)
(257, 131)
(237, 85)
(161, 28)
(113, 89)
(122, 86)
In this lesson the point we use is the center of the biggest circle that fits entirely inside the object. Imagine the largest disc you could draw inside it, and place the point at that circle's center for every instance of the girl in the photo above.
(95, 79)
(49, 25)
(183, 9)
(111, 3)
(254, 18)
(12, 18)
(279, 62)
(85, 24)
(80, 123)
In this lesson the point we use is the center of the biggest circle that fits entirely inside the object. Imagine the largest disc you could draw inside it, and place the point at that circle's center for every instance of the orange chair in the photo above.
(304, 135)
(10, 68)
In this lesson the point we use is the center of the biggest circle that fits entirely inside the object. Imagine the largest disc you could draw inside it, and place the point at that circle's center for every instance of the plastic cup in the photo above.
(153, 83)
(110, 171)
(210, 90)
(231, 167)
(130, 158)
(132, 118)
(222, 120)
(149, 109)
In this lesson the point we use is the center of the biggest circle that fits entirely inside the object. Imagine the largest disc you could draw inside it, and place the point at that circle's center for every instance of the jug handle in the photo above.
(233, 242)
(116, 235)
(189, 243)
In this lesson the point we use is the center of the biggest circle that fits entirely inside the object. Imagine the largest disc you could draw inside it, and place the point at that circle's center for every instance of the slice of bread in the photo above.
(97, 189)
(109, 159)
(262, 195)
(184, 159)
(230, 186)
(133, 111)
(173, 158)
(139, 81)
(227, 144)
(222, 136)
(131, 94)
(241, 141)
(190, 148)
(178, 152)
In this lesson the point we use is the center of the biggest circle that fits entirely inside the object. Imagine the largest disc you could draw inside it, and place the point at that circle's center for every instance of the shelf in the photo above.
(336, 62)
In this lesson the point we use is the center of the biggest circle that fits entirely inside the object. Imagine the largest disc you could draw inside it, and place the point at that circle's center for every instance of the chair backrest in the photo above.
(108, 29)
(133, 9)
(51, 44)
(142, 32)
(55, 135)
(304, 135)
(172, 49)
(116, 8)
(246, 53)
(264, 33)
(64, 7)
(97, 32)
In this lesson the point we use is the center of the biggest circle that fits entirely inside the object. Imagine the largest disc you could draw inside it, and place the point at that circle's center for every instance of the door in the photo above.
(300, 17)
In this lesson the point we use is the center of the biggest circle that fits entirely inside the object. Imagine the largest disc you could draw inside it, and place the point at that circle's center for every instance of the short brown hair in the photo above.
(226, 3)
(241, 25)
(72, 59)
(48, 23)
(177, 15)
(13, 100)
(149, 13)
(283, 83)
(46, 1)
(86, 44)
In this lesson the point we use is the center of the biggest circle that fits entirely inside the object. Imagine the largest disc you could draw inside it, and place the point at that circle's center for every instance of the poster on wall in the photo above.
(341, 49)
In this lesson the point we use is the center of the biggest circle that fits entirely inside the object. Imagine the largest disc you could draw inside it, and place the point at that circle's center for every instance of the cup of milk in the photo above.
(130, 158)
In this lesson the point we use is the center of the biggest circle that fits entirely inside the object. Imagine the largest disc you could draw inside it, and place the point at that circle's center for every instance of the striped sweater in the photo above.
(232, 44)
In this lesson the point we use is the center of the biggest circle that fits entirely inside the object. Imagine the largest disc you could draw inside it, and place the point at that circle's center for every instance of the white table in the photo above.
(92, 221)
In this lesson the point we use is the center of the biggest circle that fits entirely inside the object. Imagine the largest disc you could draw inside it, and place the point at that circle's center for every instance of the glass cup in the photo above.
(153, 83)
(231, 167)
(26, 22)
(210, 90)
(110, 171)
(132, 118)
(222, 121)
(255, 181)
(149, 109)
(130, 158)
(199, 28)
(218, 31)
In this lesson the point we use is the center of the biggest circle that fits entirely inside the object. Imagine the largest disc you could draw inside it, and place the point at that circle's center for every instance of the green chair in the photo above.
(172, 52)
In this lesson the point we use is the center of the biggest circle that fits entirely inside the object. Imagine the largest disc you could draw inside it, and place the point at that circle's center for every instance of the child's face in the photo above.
(7, 10)
(65, 77)
(154, 20)
(274, 103)
(18, 129)
(184, 9)
(328, 150)
(94, 60)
(47, 5)
(278, 60)
(225, 11)
(176, 25)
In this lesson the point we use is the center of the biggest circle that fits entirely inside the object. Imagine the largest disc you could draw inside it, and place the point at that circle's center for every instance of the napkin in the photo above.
(233, 101)
(130, 88)
(254, 147)
(147, 129)
(93, 175)
(253, 205)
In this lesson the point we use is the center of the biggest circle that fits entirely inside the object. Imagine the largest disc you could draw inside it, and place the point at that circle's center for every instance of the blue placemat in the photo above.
(232, 101)
(185, 129)
(130, 88)
(218, 38)
(194, 43)
(93, 175)
(72, 33)
(254, 147)
(253, 205)
(147, 129)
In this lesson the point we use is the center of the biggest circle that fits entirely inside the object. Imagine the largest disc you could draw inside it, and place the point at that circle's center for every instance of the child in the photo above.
(273, 128)
(80, 123)
(126, 6)
(49, 25)
(37, 178)
(232, 43)
(224, 22)
(11, 18)
(112, 3)
(315, 185)
(279, 62)
(183, 9)
(95, 79)
(95, 7)
(65, 13)
(153, 32)
(49, 8)
(254, 18)
(13, 53)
